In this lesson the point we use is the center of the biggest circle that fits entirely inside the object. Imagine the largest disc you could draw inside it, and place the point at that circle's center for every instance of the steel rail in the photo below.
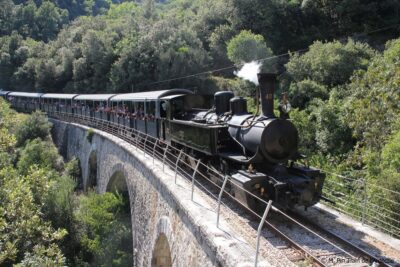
(339, 239)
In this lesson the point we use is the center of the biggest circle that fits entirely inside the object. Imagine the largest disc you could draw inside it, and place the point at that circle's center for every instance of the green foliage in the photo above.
(329, 64)
(106, 229)
(34, 126)
(24, 234)
(122, 10)
(306, 126)
(301, 93)
(238, 86)
(73, 169)
(7, 148)
(123, 45)
(374, 104)
(246, 47)
(333, 135)
(391, 153)
(43, 221)
(322, 129)
(8, 141)
(59, 207)
(89, 135)
(40, 153)
(43, 256)
(41, 22)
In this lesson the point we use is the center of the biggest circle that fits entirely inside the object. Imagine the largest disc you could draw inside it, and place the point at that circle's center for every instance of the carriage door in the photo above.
(163, 117)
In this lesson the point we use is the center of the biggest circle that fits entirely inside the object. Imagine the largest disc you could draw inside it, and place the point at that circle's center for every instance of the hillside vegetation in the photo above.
(344, 84)
(44, 219)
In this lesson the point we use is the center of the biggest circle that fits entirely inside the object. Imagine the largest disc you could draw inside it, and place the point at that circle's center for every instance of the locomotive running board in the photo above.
(237, 157)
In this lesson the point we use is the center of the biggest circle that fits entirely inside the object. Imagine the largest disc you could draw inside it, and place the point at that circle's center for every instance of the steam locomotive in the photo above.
(259, 153)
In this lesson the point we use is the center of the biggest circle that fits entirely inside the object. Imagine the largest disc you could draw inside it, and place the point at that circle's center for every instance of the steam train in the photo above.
(259, 153)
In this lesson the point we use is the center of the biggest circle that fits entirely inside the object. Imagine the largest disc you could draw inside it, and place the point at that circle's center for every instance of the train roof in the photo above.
(4, 92)
(151, 95)
(95, 97)
(25, 94)
(59, 96)
(171, 96)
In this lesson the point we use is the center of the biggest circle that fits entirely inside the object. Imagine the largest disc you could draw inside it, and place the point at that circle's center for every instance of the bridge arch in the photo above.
(92, 169)
(162, 249)
(118, 184)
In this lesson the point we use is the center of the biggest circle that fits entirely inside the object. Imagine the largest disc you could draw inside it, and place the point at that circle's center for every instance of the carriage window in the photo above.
(151, 110)
(177, 108)
(139, 108)
(163, 109)
(130, 108)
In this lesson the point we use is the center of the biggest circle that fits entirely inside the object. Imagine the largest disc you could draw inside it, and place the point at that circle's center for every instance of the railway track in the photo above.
(302, 241)
(357, 250)
(319, 245)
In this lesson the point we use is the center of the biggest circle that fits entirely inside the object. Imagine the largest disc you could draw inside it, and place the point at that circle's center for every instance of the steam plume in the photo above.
(249, 72)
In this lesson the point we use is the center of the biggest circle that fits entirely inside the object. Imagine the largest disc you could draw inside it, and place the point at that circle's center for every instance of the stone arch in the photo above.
(162, 249)
(161, 253)
(76, 173)
(91, 181)
(118, 184)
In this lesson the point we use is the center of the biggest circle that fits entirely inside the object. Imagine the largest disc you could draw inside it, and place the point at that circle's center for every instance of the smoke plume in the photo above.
(249, 72)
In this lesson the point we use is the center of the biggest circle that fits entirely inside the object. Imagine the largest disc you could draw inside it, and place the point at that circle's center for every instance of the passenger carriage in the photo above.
(25, 102)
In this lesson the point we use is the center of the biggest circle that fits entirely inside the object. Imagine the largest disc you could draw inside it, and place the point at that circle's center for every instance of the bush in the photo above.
(305, 124)
(73, 169)
(302, 92)
(106, 236)
(40, 153)
(246, 47)
(24, 233)
(34, 126)
(89, 135)
(329, 64)
(373, 108)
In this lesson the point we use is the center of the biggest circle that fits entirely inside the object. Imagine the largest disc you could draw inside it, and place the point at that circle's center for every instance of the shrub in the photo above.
(41, 153)
(329, 64)
(89, 135)
(34, 126)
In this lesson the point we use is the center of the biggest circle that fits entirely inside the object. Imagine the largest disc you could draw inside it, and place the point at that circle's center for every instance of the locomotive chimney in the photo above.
(267, 83)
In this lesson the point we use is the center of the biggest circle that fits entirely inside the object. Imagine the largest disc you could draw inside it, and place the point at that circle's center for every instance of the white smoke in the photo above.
(249, 72)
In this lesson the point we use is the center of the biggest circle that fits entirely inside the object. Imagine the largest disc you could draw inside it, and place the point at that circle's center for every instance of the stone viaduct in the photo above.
(168, 229)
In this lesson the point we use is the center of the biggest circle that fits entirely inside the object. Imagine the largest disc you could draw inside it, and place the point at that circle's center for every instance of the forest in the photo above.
(45, 217)
(339, 61)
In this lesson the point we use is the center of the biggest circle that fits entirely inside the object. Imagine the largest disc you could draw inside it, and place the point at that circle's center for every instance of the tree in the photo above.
(49, 20)
(24, 235)
(40, 153)
(333, 135)
(7, 148)
(305, 122)
(246, 47)
(373, 106)
(106, 233)
(329, 64)
(34, 126)
(301, 93)
(6, 17)
(167, 49)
